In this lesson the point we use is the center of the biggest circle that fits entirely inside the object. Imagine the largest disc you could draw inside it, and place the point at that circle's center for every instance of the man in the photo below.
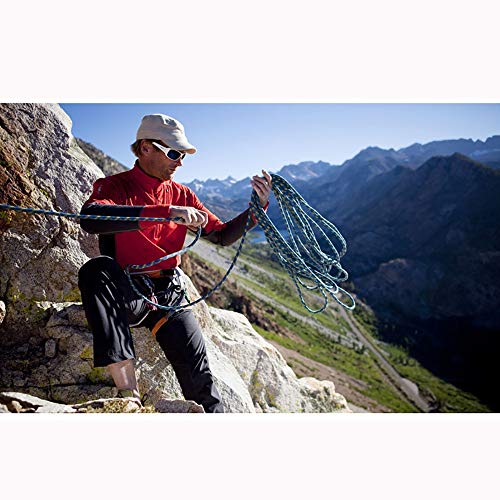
(110, 303)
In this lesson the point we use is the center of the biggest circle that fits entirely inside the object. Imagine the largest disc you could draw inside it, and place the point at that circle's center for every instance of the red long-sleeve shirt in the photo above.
(151, 240)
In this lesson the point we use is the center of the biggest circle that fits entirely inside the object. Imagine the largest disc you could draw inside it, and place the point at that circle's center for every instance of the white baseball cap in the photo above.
(167, 129)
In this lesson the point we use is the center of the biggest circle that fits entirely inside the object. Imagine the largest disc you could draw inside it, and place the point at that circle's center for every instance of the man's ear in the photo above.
(145, 147)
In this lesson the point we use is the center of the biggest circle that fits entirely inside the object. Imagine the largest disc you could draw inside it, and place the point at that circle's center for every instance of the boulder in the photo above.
(41, 166)
(14, 402)
(272, 384)
(2, 311)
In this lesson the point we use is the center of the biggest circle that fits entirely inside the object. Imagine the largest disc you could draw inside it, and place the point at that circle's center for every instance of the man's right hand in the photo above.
(191, 217)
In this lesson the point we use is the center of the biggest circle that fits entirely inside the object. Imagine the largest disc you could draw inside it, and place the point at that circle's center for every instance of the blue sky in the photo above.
(241, 139)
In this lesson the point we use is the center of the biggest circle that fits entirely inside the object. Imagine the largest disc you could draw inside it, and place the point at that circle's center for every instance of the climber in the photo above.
(111, 305)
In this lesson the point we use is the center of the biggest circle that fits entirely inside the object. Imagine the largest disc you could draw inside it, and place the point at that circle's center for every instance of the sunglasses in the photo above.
(171, 154)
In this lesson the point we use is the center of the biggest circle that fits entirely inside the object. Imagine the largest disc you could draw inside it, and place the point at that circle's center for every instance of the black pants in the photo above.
(111, 306)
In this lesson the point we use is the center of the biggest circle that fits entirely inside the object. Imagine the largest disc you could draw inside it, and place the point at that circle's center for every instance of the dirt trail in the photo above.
(409, 389)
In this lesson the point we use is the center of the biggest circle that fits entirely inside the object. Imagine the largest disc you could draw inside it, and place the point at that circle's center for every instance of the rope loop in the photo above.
(308, 265)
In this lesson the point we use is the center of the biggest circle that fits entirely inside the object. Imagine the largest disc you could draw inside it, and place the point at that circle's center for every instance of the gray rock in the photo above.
(24, 403)
(16, 406)
(109, 405)
(50, 348)
(2, 311)
(178, 406)
(18, 378)
(14, 402)
(42, 166)
(272, 384)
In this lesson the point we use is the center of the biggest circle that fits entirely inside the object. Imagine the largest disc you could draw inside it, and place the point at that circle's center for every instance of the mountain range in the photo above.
(424, 252)
(369, 162)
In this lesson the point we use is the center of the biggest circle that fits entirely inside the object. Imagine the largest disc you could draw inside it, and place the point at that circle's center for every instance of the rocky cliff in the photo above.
(45, 343)
(108, 165)
(41, 166)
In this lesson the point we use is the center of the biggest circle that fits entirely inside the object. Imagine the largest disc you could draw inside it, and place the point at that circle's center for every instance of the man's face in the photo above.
(156, 163)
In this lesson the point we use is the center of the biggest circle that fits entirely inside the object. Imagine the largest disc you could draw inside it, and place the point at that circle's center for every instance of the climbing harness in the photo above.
(173, 293)
(300, 255)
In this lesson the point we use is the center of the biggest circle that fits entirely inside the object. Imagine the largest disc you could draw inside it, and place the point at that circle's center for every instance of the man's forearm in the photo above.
(232, 232)
(110, 226)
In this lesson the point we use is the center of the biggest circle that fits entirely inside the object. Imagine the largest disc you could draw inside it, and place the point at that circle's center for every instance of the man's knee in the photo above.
(182, 340)
(95, 268)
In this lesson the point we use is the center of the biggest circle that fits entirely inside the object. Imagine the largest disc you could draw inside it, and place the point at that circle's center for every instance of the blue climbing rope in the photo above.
(300, 255)
(80, 216)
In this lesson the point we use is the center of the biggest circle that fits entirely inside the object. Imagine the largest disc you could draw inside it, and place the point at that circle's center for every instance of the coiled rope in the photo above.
(301, 256)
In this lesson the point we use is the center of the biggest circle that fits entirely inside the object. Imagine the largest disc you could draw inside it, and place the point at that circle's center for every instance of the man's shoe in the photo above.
(129, 394)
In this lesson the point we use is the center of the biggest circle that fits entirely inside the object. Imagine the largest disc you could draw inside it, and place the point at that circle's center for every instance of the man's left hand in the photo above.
(262, 186)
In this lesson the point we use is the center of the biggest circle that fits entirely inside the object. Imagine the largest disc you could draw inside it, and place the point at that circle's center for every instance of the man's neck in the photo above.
(144, 171)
